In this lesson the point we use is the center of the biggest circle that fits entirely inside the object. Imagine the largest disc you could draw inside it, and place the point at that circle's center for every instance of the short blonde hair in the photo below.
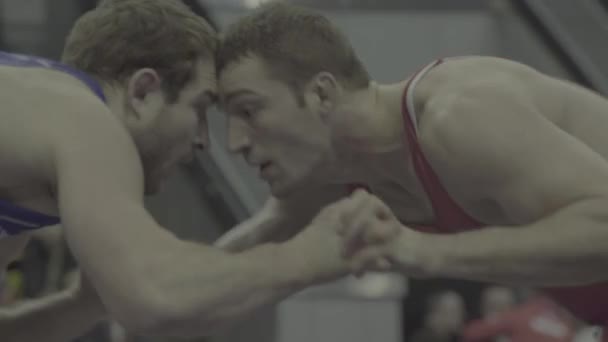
(120, 36)
(295, 43)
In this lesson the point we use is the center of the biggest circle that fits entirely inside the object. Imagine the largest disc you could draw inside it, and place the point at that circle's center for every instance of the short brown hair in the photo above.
(295, 43)
(120, 36)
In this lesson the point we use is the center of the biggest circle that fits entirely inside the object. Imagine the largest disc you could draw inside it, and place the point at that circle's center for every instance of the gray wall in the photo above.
(23, 22)
(37, 26)
(515, 40)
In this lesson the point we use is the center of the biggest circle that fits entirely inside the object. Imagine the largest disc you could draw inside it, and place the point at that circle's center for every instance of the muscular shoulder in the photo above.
(470, 101)
(40, 107)
(38, 100)
(463, 74)
(33, 83)
(460, 90)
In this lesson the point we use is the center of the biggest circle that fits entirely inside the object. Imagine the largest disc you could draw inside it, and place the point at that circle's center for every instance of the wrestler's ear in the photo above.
(321, 94)
(145, 96)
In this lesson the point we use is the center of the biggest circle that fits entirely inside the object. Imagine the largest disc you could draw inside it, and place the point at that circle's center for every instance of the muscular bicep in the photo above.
(495, 141)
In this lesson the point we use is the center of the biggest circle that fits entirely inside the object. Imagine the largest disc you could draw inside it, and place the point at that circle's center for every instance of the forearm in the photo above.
(154, 283)
(58, 317)
(568, 248)
(230, 287)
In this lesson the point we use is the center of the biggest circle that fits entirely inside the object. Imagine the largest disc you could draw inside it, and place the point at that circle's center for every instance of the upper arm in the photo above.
(492, 138)
(100, 193)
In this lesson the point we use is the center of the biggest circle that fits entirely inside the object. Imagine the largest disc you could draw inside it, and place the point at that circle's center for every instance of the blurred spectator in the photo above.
(11, 286)
(496, 299)
(444, 318)
(537, 320)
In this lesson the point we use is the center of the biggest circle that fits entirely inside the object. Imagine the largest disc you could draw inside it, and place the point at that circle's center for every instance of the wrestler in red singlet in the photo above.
(589, 303)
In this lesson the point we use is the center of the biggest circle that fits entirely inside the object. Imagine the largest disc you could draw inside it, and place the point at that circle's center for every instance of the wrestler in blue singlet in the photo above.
(15, 220)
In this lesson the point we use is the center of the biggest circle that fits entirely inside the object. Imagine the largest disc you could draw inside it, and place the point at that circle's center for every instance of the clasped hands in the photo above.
(371, 238)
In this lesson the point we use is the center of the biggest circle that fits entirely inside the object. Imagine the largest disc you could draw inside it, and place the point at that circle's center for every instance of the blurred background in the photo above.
(394, 38)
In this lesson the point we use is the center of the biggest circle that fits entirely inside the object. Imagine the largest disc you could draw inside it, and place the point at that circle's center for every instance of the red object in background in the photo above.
(539, 320)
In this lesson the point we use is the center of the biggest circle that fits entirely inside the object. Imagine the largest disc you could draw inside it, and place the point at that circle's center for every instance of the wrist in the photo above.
(293, 264)
(420, 254)
(432, 255)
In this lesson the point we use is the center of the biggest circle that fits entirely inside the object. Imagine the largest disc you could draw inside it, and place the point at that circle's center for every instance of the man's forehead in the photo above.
(205, 82)
(241, 82)
(245, 70)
